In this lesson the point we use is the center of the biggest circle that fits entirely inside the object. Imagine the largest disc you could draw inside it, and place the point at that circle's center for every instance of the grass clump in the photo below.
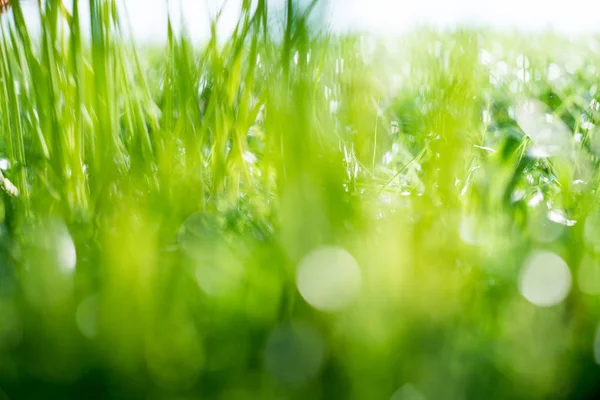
(288, 213)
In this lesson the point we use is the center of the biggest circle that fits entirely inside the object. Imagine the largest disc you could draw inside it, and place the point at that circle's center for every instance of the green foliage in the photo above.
(159, 204)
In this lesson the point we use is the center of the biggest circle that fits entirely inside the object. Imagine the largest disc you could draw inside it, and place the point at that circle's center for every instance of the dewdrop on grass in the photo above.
(549, 134)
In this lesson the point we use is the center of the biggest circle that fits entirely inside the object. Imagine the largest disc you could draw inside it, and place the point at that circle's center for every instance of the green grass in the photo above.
(169, 198)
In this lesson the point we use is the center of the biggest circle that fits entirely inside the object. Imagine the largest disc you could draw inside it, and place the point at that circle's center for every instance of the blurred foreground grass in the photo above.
(285, 213)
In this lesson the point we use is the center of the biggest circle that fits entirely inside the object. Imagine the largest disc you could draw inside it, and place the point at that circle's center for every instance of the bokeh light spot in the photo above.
(597, 345)
(588, 276)
(86, 316)
(408, 392)
(545, 279)
(329, 278)
(294, 353)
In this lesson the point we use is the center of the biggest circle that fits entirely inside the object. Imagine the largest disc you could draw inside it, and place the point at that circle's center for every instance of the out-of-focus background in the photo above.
(381, 17)
(299, 200)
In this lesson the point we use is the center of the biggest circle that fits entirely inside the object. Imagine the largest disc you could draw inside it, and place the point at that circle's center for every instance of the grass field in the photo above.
(291, 214)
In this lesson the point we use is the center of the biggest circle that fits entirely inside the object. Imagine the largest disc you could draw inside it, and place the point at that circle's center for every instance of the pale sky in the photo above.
(385, 17)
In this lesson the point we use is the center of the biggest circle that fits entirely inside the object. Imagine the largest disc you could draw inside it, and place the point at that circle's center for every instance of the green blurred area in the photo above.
(291, 214)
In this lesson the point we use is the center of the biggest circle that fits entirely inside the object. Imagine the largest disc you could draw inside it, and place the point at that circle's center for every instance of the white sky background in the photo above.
(383, 17)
